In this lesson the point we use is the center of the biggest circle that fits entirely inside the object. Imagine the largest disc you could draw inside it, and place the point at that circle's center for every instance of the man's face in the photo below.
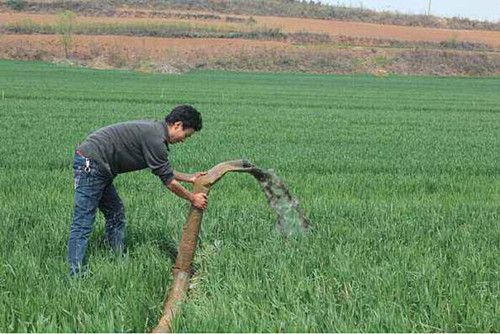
(177, 134)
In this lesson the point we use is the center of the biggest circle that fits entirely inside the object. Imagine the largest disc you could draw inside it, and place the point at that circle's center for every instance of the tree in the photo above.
(65, 27)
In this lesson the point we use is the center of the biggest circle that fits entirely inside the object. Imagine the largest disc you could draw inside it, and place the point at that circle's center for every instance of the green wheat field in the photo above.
(400, 177)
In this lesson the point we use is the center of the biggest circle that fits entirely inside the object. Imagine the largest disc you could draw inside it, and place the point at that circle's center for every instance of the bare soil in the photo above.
(176, 55)
(84, 45)
(171, 55)
(13, 17)
(287, 24)
(380, 31)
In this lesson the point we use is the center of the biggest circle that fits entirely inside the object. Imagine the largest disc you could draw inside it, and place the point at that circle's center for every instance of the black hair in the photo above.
(188, 115)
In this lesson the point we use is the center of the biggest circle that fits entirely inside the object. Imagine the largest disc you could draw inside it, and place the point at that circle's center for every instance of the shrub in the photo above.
(16, 4)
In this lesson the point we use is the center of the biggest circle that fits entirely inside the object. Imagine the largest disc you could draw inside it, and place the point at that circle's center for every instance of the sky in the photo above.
(472, 9)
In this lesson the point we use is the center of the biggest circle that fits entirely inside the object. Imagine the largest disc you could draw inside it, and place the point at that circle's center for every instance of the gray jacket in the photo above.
(130, 146)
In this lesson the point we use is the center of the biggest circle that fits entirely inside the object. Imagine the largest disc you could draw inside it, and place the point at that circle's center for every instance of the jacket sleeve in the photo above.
(155, 155)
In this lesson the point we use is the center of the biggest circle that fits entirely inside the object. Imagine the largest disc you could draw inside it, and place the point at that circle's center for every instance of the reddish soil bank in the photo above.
(170, 55)
(381, 31)
(13, 17)
(287, 24)
(157, 48)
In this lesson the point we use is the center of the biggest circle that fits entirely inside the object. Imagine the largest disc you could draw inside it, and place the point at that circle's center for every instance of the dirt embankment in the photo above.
(15, 17)
(85, 46)
(381, 31)
(291, 25)
(175, 55)
(171, 55)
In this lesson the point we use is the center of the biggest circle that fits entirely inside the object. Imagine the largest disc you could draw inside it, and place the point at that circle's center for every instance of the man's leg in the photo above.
(89, 185)
(112, 207)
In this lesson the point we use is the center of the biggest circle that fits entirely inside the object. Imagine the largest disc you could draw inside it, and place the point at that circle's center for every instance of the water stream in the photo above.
(291, 217)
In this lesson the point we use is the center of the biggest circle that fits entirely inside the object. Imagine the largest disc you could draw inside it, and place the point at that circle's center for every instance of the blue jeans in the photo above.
(93, 189)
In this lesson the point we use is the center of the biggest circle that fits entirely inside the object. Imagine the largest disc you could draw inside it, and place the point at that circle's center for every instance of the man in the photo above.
(121, 148)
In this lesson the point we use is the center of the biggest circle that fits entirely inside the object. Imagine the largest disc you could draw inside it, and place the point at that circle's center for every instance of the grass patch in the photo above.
(399, 176)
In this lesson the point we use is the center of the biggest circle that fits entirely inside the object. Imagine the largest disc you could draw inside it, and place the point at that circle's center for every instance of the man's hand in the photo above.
(200, 201)
(196, 175)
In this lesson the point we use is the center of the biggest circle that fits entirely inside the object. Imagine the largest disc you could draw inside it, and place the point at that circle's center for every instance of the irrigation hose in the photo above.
(279, 198)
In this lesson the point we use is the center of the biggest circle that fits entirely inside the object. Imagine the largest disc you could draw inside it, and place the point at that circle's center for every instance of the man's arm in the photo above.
(199, 200)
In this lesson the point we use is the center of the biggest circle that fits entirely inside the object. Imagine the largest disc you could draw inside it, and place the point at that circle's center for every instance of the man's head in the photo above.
(182, 122)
